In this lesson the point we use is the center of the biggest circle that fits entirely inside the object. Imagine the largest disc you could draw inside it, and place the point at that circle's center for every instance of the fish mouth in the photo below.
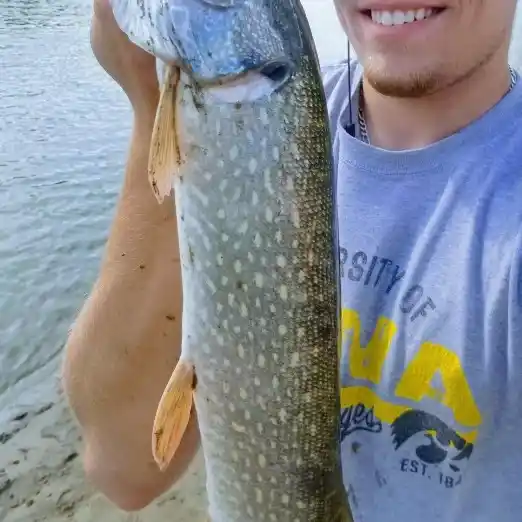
(252, 85)
(277, 71)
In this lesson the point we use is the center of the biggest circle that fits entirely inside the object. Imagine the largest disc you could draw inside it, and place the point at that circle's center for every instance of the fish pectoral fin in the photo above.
(173, 414)
(165, 155)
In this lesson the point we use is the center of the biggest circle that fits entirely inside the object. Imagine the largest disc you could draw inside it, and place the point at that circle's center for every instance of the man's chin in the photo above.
(412, 85)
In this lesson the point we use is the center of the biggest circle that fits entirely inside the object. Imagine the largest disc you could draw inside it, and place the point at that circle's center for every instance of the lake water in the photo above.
(64, 128)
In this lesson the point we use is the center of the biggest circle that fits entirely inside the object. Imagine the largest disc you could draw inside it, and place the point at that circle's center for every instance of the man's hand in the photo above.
(131, 67)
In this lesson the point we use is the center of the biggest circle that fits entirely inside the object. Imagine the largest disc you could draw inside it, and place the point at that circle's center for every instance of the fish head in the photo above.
(218, 41)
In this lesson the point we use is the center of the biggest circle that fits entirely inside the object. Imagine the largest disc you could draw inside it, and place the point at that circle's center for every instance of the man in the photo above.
(430, 212)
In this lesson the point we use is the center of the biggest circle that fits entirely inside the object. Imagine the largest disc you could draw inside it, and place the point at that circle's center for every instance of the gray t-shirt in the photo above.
(432, 319)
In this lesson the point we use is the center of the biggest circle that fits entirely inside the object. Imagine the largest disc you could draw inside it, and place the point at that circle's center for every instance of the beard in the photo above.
(421, 83)
(410, 85)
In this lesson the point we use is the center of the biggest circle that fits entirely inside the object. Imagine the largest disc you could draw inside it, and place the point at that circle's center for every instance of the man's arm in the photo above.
(126, 339)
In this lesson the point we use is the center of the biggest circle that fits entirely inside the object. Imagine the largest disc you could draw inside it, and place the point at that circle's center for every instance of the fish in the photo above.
(242, 143)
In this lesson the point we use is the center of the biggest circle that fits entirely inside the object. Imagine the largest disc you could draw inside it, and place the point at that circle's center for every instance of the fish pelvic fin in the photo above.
(173, 414)
(165, 154)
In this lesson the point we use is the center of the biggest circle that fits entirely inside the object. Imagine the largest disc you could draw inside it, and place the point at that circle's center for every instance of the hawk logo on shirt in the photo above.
(442, 442)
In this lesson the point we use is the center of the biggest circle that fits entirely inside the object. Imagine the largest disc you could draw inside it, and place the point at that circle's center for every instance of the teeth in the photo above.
(400, 17)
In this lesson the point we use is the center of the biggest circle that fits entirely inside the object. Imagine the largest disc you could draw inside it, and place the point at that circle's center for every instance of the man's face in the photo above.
(411, 48)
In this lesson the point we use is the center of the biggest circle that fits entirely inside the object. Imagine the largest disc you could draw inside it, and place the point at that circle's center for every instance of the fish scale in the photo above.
(255, 201)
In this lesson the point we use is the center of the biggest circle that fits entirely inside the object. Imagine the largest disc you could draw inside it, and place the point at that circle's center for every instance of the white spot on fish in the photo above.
(242, 393)
(275, 382)
(224, 280)
(207, 176)
(283, 292)
(233, 153)
(285, 499)
(260, 431)
(238, 427)
(269, 215)
(237, 194)
(273, 309)
(223, 185)
(261, 459)
(258, 278)
(263, 116)
(237, 329)
(257, 240)
(294, 359)
(282, 329)
(261, 360)
(250, 257)
(255, 198)
(226, 387)
(230, 299)
(275, 153)
(237, 266)
(259, 496)
(221, 213)
(220, 259)
(281, 261)
(279, 236)
(243, 227)
(282, 415)
(301, 276)
(243, 310)
(257, 382)
(268, 182)
(252, 165)
(211, 285)
(207, 243)
(258, 302)
(225, 237)
(241, 351)
(294, 216)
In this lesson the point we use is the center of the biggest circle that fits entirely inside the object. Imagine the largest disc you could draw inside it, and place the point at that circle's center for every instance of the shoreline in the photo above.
(42, 480)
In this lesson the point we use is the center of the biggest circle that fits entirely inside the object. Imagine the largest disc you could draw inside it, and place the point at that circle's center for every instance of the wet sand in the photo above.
(41, 477)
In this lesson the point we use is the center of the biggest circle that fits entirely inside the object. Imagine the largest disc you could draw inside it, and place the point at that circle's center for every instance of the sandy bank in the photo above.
(41, 478)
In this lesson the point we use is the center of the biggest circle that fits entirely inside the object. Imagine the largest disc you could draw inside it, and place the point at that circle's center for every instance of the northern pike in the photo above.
(242, 137)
